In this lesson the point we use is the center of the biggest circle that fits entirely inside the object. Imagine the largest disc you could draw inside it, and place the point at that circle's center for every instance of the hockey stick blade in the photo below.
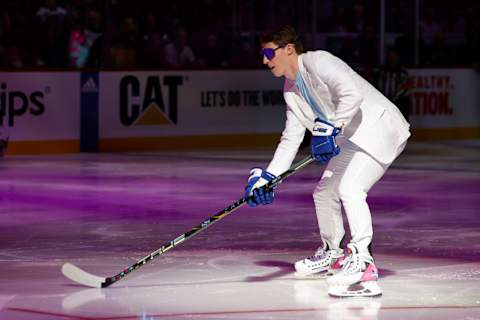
(87, 279)
(80, 276)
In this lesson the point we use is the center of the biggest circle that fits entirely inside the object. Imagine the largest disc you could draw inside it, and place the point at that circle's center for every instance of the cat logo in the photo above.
(151, 111)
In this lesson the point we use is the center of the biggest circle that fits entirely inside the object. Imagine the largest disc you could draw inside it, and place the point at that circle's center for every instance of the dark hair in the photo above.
(282, 37)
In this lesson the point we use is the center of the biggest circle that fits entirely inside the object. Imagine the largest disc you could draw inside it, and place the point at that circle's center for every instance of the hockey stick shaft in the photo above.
(202, 226)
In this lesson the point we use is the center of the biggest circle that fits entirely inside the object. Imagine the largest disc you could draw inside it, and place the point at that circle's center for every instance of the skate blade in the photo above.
(365, 289)
(311, 276)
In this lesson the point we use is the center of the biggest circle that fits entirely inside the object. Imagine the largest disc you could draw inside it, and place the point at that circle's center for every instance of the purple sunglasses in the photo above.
(269, 53)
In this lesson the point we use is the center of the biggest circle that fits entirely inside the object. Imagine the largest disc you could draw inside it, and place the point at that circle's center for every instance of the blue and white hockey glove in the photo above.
(323, 145)
(258, 178)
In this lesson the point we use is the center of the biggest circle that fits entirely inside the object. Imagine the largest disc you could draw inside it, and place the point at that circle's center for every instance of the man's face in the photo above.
(278, 62)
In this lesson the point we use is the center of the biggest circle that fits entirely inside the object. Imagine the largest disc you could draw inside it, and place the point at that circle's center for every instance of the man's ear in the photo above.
(290, 48)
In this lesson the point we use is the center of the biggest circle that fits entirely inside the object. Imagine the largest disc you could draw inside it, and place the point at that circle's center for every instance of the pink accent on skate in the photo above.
(371, 274)
(338, 263)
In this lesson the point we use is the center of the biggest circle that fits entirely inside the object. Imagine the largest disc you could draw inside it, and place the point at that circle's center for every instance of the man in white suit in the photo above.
(356, 132)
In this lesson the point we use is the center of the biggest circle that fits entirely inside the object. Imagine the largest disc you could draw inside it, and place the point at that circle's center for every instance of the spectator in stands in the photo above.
(178, 53)
(368, 46)
(430, 35)
(53, 43)
(31, 36)
(243, 52)
(211, 54)
(358, 20)
(124, 49)
(98, 56)
(51, 9)
(152, 43)
(340, 24)
(3, 57)
(26, 40)
(82, 39)
(473, 35)
(34, 58)
(5, 27)
(392, 80)
(13, 57)
(439, 53)
(7, 39)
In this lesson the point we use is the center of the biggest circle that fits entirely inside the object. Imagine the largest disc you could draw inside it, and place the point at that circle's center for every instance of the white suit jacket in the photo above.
(368, 118)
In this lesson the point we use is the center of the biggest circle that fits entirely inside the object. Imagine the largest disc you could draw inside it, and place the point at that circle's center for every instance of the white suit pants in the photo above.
(346, 181)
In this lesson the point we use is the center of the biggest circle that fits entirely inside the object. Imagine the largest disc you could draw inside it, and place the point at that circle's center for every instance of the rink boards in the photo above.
(132, 110)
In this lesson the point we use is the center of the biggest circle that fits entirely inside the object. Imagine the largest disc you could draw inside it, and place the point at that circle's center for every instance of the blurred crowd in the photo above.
(215, 34)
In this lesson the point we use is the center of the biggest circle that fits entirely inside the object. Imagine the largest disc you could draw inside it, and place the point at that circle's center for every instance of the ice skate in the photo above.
(322, 264)
(357, 278)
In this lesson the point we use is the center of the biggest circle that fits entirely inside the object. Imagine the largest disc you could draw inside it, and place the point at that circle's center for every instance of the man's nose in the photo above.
(265, 60)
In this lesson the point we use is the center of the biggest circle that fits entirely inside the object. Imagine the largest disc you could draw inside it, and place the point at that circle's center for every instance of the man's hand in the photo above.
(256, 182)
(323, 145)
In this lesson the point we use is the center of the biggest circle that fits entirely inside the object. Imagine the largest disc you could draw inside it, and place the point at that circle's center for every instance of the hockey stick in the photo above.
(87, 279)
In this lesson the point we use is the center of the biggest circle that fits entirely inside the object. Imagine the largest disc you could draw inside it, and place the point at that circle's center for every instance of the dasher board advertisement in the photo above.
(444, 98)
(149, 104)
(39, 106)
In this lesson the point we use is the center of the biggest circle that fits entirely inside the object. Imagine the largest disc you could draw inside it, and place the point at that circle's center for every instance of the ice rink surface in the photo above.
(102, 212)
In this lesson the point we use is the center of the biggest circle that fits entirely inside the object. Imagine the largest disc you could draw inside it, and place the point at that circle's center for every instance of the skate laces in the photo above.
(319, 255)
(322, 253)
(354, 261)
